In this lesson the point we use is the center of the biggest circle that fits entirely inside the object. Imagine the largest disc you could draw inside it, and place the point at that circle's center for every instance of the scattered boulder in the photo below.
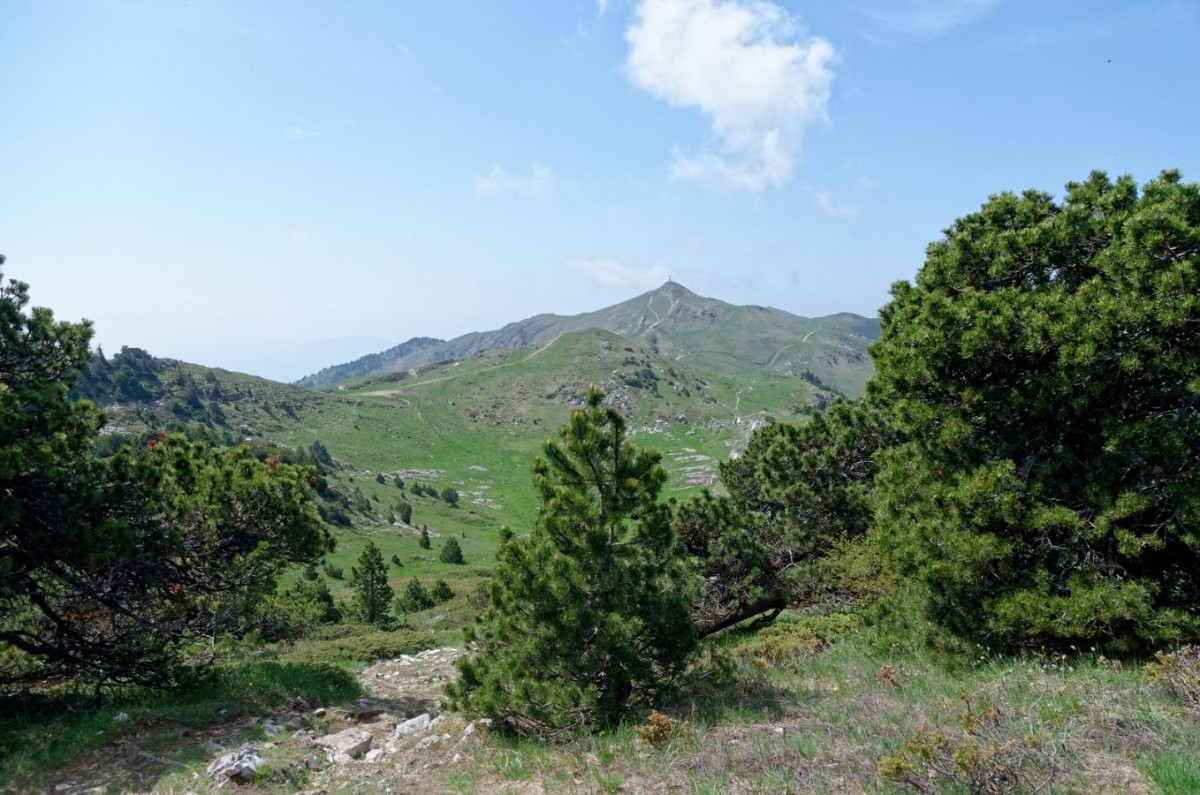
(350, 742)
(239, 765)
(414, 725)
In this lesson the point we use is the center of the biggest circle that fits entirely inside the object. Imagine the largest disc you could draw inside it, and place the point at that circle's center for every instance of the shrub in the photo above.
(976, 752)
(332, 571)
(794, 641)
(442, 592)
(415, 598)
(660, 729)
(1179, 673)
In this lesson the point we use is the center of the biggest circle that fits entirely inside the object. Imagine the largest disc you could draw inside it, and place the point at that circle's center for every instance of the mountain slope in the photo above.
(676, 323)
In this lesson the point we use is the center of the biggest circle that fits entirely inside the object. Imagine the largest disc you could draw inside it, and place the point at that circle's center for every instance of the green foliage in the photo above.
(785, 644)
(332, 572)
(316, 595)
(423, 543)
(372, 594)
(450, 496)
(416, 597)
(442, 592)
(588, 615)
(1042, 370)
(451, 551)
(790, 530)
(112, 569)
(404, 511)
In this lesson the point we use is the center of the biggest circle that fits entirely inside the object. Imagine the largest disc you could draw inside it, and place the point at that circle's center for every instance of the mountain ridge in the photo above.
(671, 319)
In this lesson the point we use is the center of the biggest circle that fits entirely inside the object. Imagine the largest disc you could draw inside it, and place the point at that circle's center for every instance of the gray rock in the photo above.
(240, 765)
(475, 728)
(271, 728)
(427, 742)
(414, 725)
(211, 748)
(313, 762)
(351, 742)
(373, 754)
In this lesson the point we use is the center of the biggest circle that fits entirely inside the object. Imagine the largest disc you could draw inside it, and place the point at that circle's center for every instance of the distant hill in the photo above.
(676, 323)
(370, 364)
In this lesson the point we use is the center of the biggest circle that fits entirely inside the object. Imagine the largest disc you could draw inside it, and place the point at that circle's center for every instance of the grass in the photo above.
(824, 720)
(818, 716)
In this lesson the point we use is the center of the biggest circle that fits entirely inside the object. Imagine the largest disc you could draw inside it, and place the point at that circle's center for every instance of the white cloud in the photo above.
(611, 273)
(538, 182)
(831, 207)
(744, 64)
(601, 7)
(926, 19)
(297, 133)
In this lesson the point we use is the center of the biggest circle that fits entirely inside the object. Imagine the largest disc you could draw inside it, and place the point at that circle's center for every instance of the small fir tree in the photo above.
(451, 551)
(416, 597)
(442, 592)
(372, 594)
(424, 542)
(588, 615)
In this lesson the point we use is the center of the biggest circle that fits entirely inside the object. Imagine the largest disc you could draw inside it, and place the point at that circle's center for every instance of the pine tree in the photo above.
(441, 592)
(415, 598)
(588, 615)
(451, 551)
(1043, 367)
(424, 542)
(111, 568)
(372, 594)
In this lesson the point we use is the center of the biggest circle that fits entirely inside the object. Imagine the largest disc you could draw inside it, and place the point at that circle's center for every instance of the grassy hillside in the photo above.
(476, 424)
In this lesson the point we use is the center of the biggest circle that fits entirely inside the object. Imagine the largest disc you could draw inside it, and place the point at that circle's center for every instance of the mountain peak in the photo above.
(672, 288)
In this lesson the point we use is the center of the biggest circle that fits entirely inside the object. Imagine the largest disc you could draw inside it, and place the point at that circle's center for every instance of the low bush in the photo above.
(660, 729)
(976, 751)
(360, 645)
(791, 642)
(1178, 673)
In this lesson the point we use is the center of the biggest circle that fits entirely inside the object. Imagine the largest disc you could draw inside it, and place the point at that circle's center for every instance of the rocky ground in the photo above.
(389, 741)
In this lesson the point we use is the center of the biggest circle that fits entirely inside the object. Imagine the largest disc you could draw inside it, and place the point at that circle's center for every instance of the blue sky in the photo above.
(276, 186)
